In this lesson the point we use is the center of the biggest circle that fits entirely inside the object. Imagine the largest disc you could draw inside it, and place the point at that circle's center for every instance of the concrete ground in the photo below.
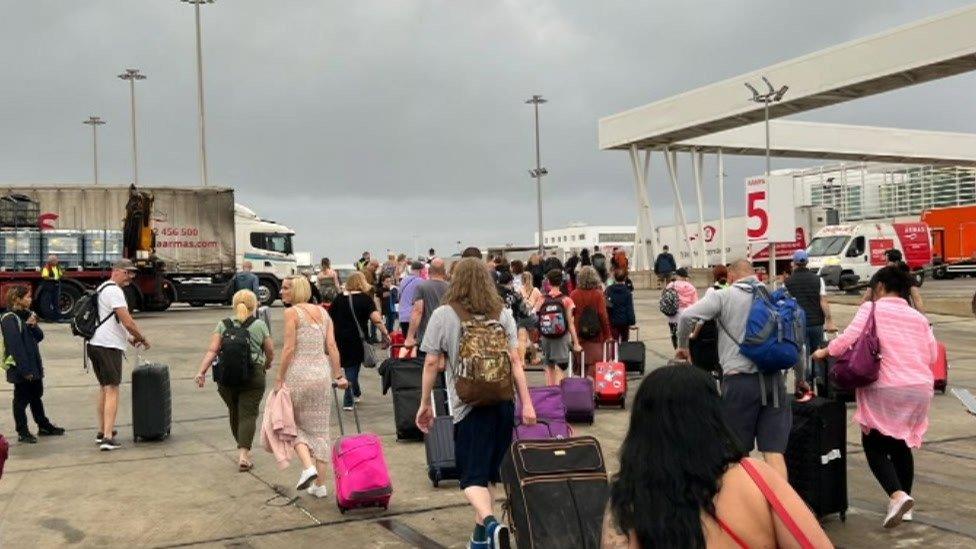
(186, 491)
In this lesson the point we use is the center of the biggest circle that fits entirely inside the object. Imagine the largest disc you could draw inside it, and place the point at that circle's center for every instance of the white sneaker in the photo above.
(318, 491)
(357, 400)
(347, 408)
(308, 475)
(897, 510)
(908, 517)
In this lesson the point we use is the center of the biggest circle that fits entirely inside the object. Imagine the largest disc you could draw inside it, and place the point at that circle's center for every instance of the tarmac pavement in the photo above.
(186, 491)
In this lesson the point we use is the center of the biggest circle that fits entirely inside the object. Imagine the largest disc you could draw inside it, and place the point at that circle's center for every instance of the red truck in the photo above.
(953, 240)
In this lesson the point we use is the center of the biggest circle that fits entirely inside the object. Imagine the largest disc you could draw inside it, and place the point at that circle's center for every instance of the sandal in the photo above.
(244, 466)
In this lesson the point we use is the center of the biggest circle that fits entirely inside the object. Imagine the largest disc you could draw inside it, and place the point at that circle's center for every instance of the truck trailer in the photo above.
(184, 242)
(953, 240)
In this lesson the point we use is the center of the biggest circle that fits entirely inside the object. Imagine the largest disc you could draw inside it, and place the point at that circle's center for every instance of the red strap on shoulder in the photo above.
(731, 533)
(777, 505)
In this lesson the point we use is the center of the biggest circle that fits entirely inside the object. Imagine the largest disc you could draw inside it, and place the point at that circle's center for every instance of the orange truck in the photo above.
(953, 240)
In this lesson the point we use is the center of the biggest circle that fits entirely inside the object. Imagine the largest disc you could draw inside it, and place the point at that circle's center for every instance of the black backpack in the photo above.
(234, 365)
(85, 321)
(589, 325)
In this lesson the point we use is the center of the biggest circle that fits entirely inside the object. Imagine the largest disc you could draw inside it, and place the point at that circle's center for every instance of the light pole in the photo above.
(95, 122)
(772, 95)
(203, 131)
(539, 171)
(132, 75)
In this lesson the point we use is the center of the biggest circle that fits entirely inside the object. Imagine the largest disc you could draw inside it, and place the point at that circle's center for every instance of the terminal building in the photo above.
(578, 236)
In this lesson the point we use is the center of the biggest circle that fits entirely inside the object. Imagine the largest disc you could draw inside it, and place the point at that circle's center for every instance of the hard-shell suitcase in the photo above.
(550, 413)
(152, 407)
(816, 455)
(362, 478)
(703, 346)
(405, 381)
(578, 395)
(633, 353)
(439, 445)
(610, 386)
(940, 369)
(556, 492)
(4, 449)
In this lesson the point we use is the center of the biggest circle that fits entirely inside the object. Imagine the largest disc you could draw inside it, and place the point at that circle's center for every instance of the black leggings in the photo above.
(673, 326)
(890, 459)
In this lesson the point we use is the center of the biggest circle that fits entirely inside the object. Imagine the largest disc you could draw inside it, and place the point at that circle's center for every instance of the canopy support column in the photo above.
(721, 206)
(696, 167)
(645, 224)
(671, 158)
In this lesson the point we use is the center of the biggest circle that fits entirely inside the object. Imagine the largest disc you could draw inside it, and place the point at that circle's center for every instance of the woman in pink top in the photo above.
(893, 411)
(687, 296)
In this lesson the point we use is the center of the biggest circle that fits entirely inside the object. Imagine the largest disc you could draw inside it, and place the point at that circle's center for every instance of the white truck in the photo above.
(848, 254)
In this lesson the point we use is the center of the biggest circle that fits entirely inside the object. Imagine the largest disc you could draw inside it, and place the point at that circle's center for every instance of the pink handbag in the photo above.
(860, 365)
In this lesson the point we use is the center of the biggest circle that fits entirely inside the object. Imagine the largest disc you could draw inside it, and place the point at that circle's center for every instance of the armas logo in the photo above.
(709, 231)
(46, 221)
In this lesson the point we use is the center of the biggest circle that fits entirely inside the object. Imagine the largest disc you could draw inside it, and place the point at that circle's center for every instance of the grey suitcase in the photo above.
(152, 407)
(439, 444)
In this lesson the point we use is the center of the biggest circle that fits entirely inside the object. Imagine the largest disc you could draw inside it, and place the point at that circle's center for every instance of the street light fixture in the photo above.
(772, 95)
(132, 75)
(94, 122)
(539, 171)
(204, 179)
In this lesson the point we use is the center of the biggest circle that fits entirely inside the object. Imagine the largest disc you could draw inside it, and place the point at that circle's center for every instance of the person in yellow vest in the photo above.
(50, 293)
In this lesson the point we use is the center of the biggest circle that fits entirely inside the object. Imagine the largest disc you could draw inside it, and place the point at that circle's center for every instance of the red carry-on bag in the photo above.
(611, 378)
(940, 369)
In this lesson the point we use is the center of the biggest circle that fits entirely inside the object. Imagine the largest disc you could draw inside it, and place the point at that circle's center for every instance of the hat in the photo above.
(682, 272)
(801, 256)
(124, 265)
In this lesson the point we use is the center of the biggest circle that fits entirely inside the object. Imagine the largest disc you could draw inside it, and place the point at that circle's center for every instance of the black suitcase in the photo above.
(816, 455)
(151, 402)
(703, 347)
(557, 492)
(439, 445)
(406, 376)
(632, 353)
(825, 387)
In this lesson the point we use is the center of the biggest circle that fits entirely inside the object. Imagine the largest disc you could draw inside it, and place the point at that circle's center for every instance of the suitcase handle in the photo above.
(615, 345)
(355, 411)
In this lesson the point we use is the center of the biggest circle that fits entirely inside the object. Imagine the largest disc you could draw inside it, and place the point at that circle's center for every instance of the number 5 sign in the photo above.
(770, 211)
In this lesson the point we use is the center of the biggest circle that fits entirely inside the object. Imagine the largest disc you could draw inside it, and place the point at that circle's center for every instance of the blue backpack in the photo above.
(774, 332)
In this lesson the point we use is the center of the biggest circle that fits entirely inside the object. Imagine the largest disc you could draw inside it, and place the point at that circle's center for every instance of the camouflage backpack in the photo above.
(483, 374)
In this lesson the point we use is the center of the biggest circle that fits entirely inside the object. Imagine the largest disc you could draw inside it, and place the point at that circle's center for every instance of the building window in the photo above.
(582, 237)
(615, 237)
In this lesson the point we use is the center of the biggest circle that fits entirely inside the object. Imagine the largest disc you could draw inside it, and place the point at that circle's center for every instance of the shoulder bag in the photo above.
(369, 352)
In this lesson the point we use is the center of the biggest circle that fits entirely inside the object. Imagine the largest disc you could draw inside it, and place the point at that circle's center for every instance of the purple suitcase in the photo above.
(549, 409)
(578, 395)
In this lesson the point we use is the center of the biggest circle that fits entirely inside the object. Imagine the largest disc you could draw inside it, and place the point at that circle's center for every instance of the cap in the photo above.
(681, 272)
(124, 265)
(801, 256)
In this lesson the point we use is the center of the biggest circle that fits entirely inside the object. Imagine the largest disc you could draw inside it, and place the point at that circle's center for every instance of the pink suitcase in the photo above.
(362, 478)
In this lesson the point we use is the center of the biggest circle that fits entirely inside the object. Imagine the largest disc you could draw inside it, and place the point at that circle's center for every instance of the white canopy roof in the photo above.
(841, 142)
(925, 50)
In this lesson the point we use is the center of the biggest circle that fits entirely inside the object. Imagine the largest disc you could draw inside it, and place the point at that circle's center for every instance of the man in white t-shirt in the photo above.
(106, 350)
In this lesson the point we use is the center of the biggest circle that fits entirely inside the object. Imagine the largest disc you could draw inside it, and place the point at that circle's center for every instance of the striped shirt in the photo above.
(897, 404)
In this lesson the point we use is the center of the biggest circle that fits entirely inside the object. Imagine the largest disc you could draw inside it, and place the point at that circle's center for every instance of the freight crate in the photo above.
(102, 248)
(66, 245)
(20, 249)
(18, 211)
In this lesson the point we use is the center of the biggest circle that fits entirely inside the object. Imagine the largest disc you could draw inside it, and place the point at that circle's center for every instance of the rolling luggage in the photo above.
(611, 379)
(827, 388)
(557, 491)
(816, 455)
(633, 353)
(703, 346)
(550, 411)
(940, 369)
(4, 449)
(578, 395)
(405, 378)
(362, 478)
(152, 408)
(439, 444)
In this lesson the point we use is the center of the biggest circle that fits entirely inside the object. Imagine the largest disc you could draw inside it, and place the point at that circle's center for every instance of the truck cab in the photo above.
(268, 246)
(845, 255)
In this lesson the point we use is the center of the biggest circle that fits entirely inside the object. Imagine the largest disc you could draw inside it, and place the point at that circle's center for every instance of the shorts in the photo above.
(765, 427)
(481, 440)
(107, 364)
(556, 351)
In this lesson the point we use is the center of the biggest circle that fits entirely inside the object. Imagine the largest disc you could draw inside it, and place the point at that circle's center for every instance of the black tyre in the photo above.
(70, 294)
(197, 304)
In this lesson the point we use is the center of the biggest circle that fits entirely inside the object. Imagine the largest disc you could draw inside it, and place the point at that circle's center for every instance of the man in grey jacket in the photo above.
(757, 407)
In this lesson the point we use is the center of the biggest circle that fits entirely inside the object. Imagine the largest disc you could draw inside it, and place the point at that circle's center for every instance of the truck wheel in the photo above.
(197, 304)
(161, 303)
(70, 294)
(133, 297)
(920, 278)
(267, 292)
(940, 273)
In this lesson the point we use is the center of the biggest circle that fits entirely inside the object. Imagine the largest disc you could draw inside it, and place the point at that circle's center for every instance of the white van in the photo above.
(847, 254)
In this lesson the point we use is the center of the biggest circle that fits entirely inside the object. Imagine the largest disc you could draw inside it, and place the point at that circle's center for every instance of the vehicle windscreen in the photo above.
(827, 245)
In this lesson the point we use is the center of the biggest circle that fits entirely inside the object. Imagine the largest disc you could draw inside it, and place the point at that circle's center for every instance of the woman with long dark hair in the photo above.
(683, 482)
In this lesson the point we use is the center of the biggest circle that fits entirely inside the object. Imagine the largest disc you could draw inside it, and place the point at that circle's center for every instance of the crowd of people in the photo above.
(684, 475)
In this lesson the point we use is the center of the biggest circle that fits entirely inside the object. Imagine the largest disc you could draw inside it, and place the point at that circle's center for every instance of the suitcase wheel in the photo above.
(843, 516)
(342, 510)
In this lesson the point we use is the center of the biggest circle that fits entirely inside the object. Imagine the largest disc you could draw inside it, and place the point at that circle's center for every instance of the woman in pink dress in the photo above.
(893, 412)
(308, 373)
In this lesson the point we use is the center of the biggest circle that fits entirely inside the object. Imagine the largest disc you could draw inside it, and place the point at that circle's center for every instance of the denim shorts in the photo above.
(481, 440)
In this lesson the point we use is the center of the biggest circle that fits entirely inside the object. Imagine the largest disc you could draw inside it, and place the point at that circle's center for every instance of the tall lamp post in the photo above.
(204, 180)
(94, 122)
(539, 171)
(772, 95)
(132, 75)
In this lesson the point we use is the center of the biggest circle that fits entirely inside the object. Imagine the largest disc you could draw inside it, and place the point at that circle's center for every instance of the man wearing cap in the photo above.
(811, 293)
(106, 350)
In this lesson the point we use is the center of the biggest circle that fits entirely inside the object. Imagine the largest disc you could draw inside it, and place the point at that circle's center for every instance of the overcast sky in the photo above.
(360, 124)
